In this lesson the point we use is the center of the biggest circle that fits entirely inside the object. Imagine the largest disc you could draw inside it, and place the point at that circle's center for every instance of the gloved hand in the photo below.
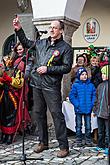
(6, 78)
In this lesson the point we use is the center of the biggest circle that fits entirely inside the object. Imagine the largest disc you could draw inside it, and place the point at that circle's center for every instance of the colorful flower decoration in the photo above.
(54, 54)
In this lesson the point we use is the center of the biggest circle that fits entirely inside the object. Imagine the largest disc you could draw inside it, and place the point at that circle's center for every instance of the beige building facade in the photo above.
(94, 9)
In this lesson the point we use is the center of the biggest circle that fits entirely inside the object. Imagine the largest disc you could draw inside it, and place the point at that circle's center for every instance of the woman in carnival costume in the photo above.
(12, 95)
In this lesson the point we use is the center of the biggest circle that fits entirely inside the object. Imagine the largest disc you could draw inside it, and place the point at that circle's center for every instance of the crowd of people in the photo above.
(42, 73)
(89, 93)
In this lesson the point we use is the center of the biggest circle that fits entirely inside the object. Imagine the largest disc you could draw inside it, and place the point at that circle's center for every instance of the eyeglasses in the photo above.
(53, 27)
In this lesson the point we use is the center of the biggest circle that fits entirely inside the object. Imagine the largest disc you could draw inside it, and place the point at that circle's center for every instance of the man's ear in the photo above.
(61, 31)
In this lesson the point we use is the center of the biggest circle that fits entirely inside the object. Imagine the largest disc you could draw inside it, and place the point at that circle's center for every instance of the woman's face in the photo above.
(20, 50)
(80, 61)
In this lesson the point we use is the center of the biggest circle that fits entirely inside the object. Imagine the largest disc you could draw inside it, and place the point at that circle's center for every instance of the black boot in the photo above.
(9, 139)
(4, 138)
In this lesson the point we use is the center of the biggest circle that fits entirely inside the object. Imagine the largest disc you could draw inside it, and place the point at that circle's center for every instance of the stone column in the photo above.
(70, 27)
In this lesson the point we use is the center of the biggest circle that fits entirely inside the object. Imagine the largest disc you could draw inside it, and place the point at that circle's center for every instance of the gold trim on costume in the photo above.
(13, 99)
(1, 96)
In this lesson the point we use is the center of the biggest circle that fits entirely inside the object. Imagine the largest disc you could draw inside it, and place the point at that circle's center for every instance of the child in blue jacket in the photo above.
(82, 96)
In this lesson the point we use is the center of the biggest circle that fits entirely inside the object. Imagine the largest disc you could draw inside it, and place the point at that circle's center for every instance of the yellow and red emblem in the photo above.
(54, 54)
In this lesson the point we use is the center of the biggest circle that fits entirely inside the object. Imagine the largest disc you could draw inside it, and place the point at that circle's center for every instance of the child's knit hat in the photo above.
(104, 70)
(80, 71)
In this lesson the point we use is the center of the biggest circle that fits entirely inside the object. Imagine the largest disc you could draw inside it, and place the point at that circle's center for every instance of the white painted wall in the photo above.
(73, 9)
(70, 8)
(48, 8)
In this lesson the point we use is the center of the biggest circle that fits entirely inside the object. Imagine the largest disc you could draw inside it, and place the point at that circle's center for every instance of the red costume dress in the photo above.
(13, 101)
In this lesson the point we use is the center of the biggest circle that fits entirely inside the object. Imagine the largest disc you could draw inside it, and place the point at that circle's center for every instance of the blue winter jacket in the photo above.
(82, 96)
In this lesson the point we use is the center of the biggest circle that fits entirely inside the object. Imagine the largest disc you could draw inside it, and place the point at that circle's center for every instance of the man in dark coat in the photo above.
(53, 59)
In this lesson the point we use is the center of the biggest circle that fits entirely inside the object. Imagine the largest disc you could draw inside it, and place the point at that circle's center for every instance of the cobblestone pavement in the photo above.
(13, 155)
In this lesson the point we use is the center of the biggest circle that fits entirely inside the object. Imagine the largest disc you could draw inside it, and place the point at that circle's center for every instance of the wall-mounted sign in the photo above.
(91, 30)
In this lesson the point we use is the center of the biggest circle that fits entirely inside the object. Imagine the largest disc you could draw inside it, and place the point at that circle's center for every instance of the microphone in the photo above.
(43, 31)
(39, 33)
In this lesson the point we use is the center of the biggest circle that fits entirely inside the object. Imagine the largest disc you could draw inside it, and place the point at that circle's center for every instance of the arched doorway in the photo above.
(8, 44)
